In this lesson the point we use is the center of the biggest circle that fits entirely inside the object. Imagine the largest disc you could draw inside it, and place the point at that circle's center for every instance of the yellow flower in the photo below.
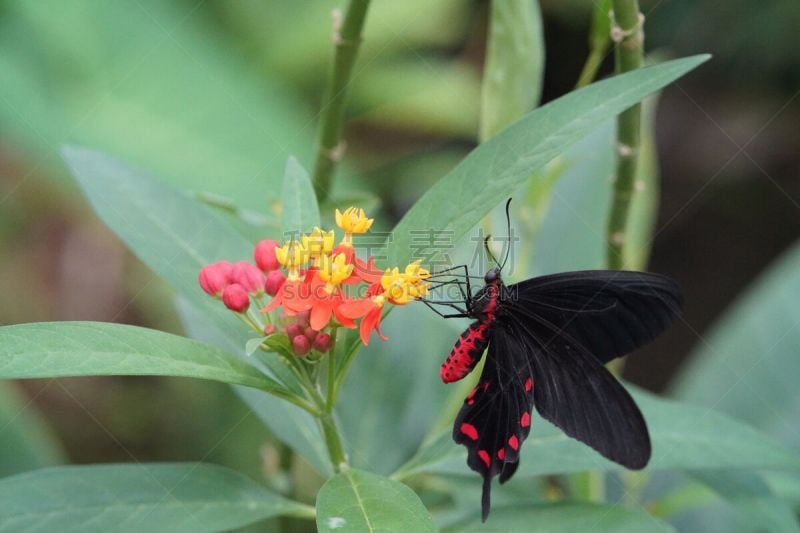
(292, 255)
(400, 289)
(353, 220)
(414, 272)
(318, 243)
(334, 270)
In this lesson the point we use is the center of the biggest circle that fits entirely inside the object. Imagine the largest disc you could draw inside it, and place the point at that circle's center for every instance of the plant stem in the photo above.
(331, 388)
(592, 65)
(628, 35)
(333, 442)
(347, 38)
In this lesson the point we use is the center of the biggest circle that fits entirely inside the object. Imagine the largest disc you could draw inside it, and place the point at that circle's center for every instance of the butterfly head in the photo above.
(492, 276)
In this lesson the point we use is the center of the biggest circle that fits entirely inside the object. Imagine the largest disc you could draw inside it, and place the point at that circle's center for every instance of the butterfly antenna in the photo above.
(508, 232)
(488, 251)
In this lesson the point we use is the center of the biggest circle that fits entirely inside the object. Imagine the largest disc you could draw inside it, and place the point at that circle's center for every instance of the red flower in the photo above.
(294, 296)
(369, 310)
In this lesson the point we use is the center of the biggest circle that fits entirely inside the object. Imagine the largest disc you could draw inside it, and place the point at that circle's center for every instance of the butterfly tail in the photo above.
(486, 497)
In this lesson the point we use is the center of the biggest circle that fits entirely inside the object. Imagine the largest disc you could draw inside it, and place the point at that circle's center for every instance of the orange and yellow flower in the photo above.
(316, 272)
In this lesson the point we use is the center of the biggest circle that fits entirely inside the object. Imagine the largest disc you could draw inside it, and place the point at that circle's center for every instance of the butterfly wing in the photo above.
(495, 418)
(609, 312)
(574, 391)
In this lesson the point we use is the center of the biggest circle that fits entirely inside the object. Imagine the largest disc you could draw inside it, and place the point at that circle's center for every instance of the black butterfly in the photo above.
(548, 339)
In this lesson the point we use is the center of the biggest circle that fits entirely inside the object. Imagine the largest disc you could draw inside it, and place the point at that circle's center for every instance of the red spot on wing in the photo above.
(513, 442)
(525, 420)
(528, 385)
(501, 453)
(484, 456)
(469, 430)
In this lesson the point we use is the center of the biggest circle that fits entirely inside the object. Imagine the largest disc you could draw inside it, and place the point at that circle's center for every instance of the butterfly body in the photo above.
(470, 345)
(548, 339)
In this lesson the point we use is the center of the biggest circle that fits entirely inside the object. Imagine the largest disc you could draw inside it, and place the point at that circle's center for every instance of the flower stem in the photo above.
(333, 442)
(331, 388)
(347, 38)
(628, 35)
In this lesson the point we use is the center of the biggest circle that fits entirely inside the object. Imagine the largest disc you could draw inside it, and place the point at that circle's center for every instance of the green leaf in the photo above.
(300, 211)
(564, 517)
(755, 506)
(26, 442)
(572, 233)
(171, 233)
(59, 349)
(400, 381)
(137, 497)
(514, 69)
(176, 95)
(747, 366)
(494, 170)
(683, 437)
(293, 426)
(360, 501)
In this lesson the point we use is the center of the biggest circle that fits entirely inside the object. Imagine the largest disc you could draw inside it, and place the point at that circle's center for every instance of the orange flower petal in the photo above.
(356, 308)
(371, 321)
(321, 313)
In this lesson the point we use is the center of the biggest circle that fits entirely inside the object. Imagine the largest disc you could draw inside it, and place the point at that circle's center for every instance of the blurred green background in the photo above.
(214, 95)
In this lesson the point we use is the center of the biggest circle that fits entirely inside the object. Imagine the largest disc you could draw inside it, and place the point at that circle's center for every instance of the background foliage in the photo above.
(211, 99)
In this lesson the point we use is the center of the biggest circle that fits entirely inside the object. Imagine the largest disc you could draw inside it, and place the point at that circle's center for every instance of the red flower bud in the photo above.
(311, 333)
(236, 298)
(293, 330)
(226, 268)
(264, 254)
(301, 345)
(274, 282)
(303, 317)
(213, 279)
(248, 276)
(322, 343)
(269, 329)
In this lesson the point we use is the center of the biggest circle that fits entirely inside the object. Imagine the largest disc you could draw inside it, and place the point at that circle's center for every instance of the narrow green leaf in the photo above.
(300, 211)
(170, 232)
(514, 69)
(564, 517)
(137, 497)
(493, 171)
(683, 437)
(360, 501)
(59, 349)
(748, 365)
(26, 442)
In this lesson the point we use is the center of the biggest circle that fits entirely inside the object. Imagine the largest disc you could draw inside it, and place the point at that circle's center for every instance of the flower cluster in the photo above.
(317, 284)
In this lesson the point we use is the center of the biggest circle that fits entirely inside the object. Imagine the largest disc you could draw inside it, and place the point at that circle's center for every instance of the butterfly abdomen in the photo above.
(466, 353)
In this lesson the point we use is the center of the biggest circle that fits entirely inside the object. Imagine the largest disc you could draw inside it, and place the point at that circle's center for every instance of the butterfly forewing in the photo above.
(609, 312)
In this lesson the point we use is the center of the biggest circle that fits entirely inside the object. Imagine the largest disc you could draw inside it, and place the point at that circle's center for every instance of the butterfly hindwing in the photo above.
(574, 391)
(495, 418)
(609, 312)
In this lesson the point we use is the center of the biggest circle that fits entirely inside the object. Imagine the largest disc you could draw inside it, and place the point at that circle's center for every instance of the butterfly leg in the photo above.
(461, 313)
